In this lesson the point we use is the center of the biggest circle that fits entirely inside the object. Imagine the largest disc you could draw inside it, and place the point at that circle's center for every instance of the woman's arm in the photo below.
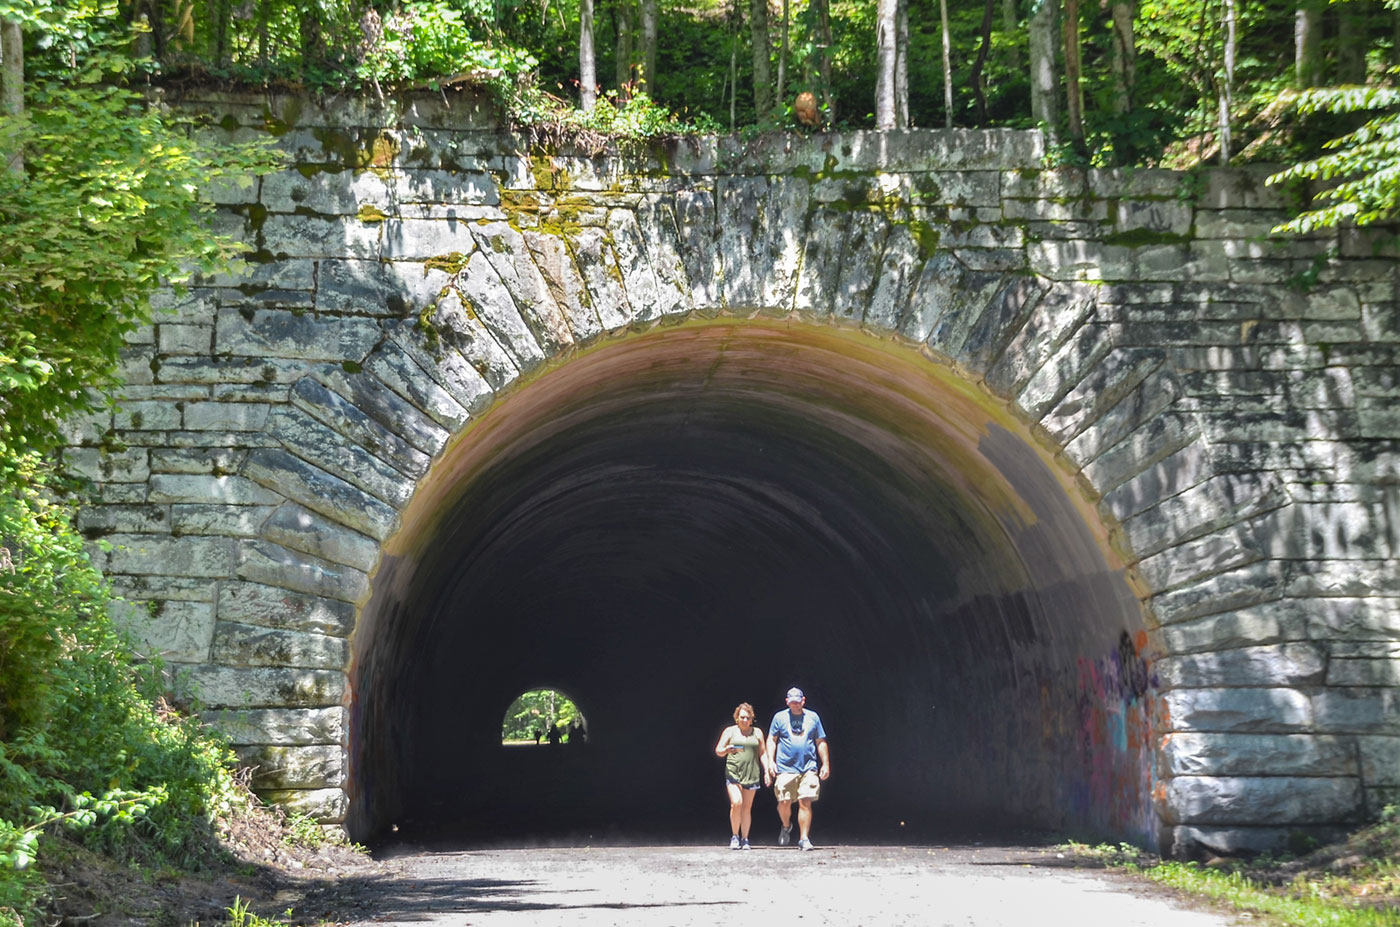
(722, 747)
(763, 757)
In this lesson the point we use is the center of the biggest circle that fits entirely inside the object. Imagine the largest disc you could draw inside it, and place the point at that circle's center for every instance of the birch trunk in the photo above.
(1307, 44)
(1227, 82)
(783, 57)
(650, 14)
(762, 70)
(886, 37)
(587, 60)
(947, 66)
(1124, 62)
(1044, 108)
(12, 84)
(901, 67)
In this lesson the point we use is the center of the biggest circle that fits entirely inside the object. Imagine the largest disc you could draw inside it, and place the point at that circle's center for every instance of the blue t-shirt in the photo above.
(796, 737)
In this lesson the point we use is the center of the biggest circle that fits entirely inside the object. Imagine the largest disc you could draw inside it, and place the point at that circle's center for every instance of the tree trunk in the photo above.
(587, 60)
(1352, 41)
(650, 14)
(901, 67)
(783, 57)
(947, 66)
(762, 72)
(1227, 82)
(622, 18)
(824, 56)
(1307, 44)
(221, 23)
(886, 38)
(979, 84)
(12, 83)
(1010, 20)
(734, 66)
(309, 32)
(1124, 62)
(1044, 93)
(1074, 92)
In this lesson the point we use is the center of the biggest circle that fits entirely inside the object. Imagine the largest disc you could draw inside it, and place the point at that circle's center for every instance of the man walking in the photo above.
(796, 740)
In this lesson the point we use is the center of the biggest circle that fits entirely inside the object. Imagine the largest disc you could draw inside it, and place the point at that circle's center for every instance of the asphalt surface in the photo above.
(678, 886)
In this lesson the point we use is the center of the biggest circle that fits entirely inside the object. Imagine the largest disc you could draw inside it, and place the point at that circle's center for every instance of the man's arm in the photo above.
(824, 754)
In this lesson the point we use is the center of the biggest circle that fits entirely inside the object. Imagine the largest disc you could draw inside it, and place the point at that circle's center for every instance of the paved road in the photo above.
(847, 886)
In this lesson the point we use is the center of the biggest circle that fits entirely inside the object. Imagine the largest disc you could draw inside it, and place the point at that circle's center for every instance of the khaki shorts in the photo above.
(797, 786)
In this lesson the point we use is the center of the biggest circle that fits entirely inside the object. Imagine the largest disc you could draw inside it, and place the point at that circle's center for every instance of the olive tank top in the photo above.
(743, 767)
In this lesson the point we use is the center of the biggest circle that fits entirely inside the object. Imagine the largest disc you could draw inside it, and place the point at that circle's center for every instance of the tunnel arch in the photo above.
(722, 508)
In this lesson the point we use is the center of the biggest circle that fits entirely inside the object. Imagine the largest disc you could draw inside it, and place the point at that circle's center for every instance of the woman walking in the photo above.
(745, 755)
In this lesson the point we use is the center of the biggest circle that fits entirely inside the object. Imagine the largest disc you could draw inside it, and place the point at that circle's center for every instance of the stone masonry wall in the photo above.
(1228, 396)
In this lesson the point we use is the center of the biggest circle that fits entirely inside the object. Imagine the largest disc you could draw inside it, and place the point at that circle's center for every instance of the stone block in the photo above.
(1215, 553)
(602, 275)
(1291, 665)
(1246, 586)
(185, 339)
(1137, 452)
(1008, 310)
(393, 367)
(174, 631)
(301, 529)
(1109, 381)
(1081, 260)
(1245, 711)
(282, 726)
(347, 419)
(1064, 370)
(861, 253)
(506, 251)
(228, 520)
(97, 520)
(1146, 403)
(1191, 754)
(1221, 500)
(104, 466)
(217, 686)
(562, 276)
(408, 239)
(821, 262)
(1169, 217)
(297, 236)
(973, 295)
(276, 607)
(225, 416)
(1357, 672)
(201, 488)
(322, 446)
(274, 333)
(163, 555)
(480, 288)
(1380, 760)
(1345, 578)
(253, 645)
(274, 565)
(324, 805)
(1269, 623)
(1263, 800)
(898, 273)
(288, 767)
(371, 397)
(190, 370)
(208, 460)
(1358, 710)
(299, 274)
(146, 416)
(322, 492)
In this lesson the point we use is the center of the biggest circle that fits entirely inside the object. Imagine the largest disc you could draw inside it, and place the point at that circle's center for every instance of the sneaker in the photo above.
(785, 836)
(744, 844)
(734, 842)
(805, 844)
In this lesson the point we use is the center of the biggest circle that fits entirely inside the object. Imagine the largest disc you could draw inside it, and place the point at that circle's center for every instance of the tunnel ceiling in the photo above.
(669, 524)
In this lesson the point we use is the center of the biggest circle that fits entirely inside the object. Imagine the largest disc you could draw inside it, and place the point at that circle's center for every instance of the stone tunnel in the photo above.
(1067, 504)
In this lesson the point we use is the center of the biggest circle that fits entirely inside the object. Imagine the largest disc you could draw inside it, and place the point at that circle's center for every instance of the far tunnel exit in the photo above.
(671, 524)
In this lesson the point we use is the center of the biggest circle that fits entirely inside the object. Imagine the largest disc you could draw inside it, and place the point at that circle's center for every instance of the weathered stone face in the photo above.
(1218, 406)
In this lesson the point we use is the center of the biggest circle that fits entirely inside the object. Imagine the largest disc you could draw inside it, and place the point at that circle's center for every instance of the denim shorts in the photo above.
(751, 788)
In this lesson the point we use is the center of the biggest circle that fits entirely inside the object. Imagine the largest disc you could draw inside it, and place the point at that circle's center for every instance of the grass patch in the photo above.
(1353, 883)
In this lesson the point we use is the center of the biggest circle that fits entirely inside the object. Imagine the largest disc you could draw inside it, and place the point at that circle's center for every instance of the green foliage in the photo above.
(108, 210)
(1363, 166)
(239, 915)
(537, 709)
(428, 41)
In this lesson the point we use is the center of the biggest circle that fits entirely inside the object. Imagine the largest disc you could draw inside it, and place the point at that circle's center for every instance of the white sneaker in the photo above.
(805, 844)
(734, 842)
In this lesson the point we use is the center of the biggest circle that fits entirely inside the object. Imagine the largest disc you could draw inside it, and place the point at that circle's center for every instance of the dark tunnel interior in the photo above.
(673, 523)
